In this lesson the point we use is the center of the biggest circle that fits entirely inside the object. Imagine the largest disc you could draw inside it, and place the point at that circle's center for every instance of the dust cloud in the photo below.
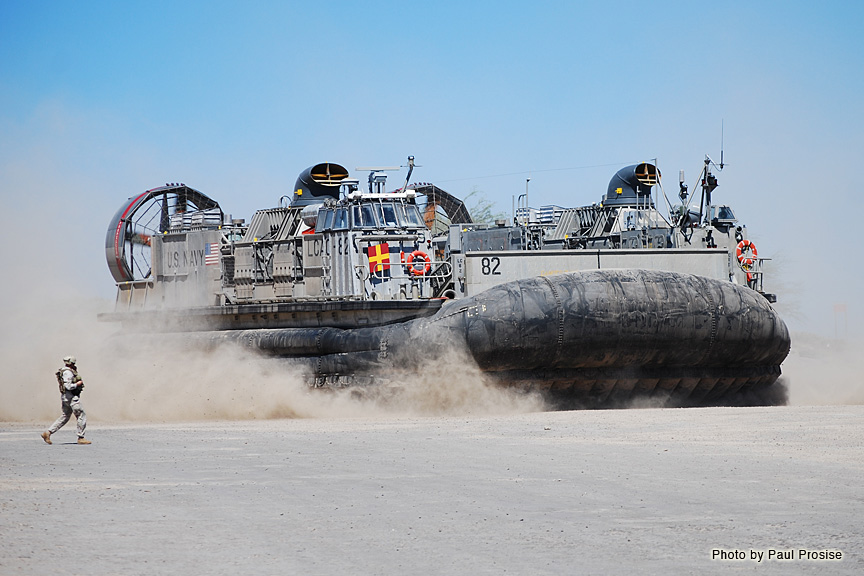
(823, 371)
(150, 379)
(234, 382)
(451, 383)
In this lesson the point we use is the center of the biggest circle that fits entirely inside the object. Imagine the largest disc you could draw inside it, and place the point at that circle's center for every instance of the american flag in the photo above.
(211, 253)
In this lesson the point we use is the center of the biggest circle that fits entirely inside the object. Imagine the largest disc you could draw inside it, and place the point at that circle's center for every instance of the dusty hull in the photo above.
(589, 338)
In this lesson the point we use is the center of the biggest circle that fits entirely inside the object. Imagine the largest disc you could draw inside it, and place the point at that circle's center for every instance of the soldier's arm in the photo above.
(68, 380)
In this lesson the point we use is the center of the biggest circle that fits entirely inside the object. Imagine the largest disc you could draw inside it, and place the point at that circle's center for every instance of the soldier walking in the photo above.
(71, 386)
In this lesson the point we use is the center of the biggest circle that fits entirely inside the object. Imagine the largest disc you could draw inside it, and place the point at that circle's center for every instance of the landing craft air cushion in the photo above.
(591, 305)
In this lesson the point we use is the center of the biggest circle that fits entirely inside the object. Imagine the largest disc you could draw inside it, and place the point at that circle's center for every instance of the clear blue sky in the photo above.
(100, 100)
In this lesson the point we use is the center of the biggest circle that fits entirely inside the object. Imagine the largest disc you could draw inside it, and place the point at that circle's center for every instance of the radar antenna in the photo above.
(378, 178)
(709, 181)
(410, 167)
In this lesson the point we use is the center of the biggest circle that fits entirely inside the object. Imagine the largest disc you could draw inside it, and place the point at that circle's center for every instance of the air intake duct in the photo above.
(317, 183)
(631, 186)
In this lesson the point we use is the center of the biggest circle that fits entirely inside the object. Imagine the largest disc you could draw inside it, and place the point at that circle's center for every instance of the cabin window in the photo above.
(389, 215)
(364, 216)
(325, 219)
(725, 213)
(410, 215)
(340, 222)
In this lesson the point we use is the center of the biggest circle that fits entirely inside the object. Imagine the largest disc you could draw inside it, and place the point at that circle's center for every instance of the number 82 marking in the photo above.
(489, 266)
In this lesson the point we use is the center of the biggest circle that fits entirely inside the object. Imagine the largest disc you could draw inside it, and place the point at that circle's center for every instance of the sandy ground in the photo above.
(648, 491)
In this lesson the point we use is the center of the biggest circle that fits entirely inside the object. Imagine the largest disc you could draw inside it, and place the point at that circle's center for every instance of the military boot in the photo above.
(46, 436)
(83, 441)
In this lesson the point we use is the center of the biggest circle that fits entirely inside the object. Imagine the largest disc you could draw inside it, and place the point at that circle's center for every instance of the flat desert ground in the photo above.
(639, 491)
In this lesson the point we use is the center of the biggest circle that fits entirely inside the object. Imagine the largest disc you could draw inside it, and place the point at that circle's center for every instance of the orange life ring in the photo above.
(743, 258)
(412, 262)
(747, 254)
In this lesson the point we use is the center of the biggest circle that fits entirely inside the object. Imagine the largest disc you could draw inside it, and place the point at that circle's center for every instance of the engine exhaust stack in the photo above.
(632, 185)
(317, 183)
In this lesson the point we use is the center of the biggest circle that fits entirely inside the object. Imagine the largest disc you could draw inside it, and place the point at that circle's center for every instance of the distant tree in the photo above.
(482, 210)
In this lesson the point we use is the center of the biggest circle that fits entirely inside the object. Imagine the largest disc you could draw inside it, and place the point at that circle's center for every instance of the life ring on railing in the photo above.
(747, 254)
(746, 260)
(426, 264)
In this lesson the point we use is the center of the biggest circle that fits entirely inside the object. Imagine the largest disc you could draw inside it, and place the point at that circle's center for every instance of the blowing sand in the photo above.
(650, 491)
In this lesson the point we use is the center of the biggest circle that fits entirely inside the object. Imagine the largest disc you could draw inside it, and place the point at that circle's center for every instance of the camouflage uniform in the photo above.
(70, 390)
